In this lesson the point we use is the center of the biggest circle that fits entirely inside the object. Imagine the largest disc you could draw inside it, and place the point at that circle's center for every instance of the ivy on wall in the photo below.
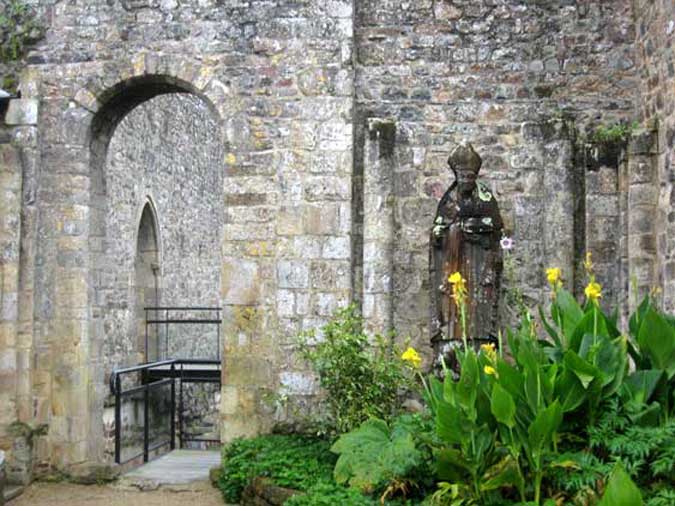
(18, 28)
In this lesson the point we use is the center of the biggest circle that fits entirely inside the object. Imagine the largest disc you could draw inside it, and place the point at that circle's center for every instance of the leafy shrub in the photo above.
(296, 462)
(361, 375)
(387, 458)
(540, 422)
(18, 27)
(327, 493)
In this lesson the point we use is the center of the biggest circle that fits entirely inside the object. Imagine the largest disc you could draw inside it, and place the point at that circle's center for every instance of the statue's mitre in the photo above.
(465, 158)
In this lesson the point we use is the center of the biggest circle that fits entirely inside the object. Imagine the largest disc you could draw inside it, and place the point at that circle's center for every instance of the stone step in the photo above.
(12, 491)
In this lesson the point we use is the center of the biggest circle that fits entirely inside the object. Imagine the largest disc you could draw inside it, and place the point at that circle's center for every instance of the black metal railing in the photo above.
(165, 317)
(153, 377)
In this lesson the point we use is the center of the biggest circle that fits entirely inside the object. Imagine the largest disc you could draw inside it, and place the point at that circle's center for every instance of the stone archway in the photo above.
(147, 283)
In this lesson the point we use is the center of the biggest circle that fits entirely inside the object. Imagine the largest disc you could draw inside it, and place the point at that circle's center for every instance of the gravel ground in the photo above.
(69, 494)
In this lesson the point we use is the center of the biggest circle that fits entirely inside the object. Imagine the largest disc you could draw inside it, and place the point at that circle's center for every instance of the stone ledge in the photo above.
(22, 111)
(263, 492)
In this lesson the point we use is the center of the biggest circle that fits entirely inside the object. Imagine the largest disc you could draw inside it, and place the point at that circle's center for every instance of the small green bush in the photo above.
(291, 461)
(327, 493)
(361, 375)
(18, 28)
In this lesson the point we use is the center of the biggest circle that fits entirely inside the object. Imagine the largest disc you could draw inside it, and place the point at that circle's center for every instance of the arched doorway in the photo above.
(157, 151)
(147, 284)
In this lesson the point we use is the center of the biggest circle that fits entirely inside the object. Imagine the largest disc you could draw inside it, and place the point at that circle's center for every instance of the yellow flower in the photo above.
(489, 350)
(455, 278)
(489, 370)
(588, 263)
(593, 291)
(554, 276)
(458, 287)
(410, 355)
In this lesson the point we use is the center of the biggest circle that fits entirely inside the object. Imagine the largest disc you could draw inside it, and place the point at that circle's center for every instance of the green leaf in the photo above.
(510, 379)
(641, 384)
(567, 310)
(544, 426)
(621, 490)
(451, 465)
(503, 474)
(637, 318)
(656, 339)
(466, 389)
(374, 454)
(451, 424)
(569, 391)
(584, 371)
(549, 329)
(502, 406)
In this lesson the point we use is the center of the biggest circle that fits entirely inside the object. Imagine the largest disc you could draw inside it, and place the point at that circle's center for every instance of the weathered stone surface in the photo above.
(295, 159)
(22, 112)
(263, 492)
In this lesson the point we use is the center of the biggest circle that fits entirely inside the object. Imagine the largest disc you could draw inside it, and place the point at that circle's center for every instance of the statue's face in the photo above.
(466, 181)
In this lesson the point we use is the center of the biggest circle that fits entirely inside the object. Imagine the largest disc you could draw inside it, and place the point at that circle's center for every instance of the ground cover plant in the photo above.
(569, 410)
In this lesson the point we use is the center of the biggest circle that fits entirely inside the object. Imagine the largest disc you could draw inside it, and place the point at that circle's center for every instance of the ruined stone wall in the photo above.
(18, 171)
(335, 119)
(523, 81)
(654, 181)
(277, 74)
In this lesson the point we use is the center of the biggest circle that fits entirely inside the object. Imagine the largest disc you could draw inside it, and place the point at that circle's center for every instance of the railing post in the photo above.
(173, 406)
(147, 352)
(118, 420)
(146, 425)
(180, 410)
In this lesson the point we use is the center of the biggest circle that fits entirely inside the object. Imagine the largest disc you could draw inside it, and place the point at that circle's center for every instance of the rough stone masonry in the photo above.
(290, 155)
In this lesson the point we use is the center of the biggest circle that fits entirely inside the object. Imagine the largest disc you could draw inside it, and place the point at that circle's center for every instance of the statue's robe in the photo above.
(465, 238)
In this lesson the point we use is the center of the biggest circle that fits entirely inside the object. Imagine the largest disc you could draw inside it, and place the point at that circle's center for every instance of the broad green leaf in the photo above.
(637, 318)
(656, 338)
(583, 370)
(451, 465)
(510, 379)
(641, 384)
(546, 423)
(502, 406)
(621, 491)
(549, 329)
(451, 424)
(594, 324)
(565, 309)
(503, 474)
(373, 454)
(569, 391)
(466, 388)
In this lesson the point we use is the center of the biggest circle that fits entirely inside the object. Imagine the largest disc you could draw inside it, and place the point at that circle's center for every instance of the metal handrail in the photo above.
(178, 308)
(171, 319)
(151, 365)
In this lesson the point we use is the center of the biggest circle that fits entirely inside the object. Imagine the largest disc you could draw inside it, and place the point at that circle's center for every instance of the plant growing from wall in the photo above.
(19, 27)
(613, 134)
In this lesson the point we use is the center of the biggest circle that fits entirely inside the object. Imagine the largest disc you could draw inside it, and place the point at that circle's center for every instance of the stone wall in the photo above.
(525, 82)
(654, 231)
(299, 169)
(18, 177)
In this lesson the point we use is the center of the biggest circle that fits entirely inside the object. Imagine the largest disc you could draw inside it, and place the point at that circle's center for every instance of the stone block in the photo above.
(293, 274)
(298, 383)
(337, 248)
(22, 112)
(241, 283)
